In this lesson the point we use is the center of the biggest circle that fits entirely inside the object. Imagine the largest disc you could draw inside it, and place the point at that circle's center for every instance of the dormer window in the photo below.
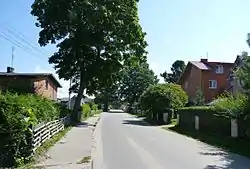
(219, 69)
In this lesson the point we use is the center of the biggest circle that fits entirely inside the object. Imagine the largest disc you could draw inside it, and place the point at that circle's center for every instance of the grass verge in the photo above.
(44, 148)
(235, 145)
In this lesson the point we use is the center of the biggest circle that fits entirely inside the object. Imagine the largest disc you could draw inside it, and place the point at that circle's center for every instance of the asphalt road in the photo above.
(125, 142)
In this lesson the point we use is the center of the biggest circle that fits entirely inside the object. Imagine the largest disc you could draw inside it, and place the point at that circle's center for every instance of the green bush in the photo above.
(18, 114)
(233, 106)
(94, 107)
(162, 97)
(86, 110)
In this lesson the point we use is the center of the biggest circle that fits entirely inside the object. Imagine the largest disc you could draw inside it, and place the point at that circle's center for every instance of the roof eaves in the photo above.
(33, 75)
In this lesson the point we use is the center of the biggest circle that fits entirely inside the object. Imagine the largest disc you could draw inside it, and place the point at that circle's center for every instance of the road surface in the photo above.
(125, 142)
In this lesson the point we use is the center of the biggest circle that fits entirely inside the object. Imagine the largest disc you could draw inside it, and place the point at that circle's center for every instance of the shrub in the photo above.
(199, 98)
(161, 97)
(94, 107)
(233, 106)
(18, 114)
(86, 110)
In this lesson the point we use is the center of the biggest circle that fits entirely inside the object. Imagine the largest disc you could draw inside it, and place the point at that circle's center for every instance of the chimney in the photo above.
(10, 69)
(204, 60)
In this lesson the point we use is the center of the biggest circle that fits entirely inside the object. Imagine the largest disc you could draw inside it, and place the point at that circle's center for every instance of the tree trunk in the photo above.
(76, 116)
(106, 102)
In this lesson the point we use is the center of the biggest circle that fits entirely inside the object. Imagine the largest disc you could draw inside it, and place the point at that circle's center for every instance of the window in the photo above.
(46, 84)
(186, 85)
(212, 84)
(219, 69)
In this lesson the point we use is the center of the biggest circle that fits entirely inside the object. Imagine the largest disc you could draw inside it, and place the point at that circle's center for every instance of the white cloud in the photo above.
(62, 92)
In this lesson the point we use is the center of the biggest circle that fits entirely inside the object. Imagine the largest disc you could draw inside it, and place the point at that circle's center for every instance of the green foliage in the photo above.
(233, 106)
(18, 114)
(243, 71)
(86, 110)
(199, 98)
(135, 80)
(94, 107)
(177, 69)
(227, 106)
(111, 32)
(162, 97)
(197, 109)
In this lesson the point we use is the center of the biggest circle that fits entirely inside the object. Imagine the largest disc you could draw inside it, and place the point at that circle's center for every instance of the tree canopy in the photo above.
(243, 71)
(135, 80)
(93, 38)
(177, 69)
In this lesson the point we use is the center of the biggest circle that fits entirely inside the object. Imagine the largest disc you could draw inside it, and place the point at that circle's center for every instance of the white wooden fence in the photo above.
(44, 131)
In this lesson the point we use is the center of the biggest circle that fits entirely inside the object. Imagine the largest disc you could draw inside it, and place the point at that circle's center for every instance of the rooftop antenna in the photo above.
(12, 57)
(207, 55)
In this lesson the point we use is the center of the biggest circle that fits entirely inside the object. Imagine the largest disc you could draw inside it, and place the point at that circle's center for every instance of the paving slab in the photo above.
(74, 146)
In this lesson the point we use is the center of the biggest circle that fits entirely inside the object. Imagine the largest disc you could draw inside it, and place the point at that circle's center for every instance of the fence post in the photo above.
(165, 117)
(196, 123)
(234, 128)
(178, 119)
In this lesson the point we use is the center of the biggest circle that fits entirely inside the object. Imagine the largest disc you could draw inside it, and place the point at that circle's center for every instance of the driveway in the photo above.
(126, 142)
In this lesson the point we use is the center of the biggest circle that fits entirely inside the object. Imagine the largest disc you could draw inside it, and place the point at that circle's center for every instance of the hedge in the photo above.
(210, 120)
(18, 115)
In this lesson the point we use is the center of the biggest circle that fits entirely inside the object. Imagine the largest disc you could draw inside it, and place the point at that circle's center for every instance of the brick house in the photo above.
(210, 77)
(44, 84)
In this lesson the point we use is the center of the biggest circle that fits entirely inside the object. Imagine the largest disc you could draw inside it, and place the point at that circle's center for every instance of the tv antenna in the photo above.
(12, 57)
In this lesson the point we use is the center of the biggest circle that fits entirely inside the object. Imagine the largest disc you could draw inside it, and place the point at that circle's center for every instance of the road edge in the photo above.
(95, 138)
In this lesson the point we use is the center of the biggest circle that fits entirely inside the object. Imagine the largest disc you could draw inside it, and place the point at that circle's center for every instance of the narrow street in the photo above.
(125, 142)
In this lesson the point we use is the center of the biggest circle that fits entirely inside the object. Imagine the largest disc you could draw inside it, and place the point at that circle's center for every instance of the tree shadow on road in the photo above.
(138, 122)
(216, 147)
(224, 159)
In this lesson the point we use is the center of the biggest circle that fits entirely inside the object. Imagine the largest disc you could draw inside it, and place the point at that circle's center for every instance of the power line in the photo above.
(21, 36)
(18, 44)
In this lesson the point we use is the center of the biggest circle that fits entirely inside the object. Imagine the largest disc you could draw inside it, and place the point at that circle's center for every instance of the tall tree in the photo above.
(136, 78)
(94, 38)
(177, 69)
(243, 71)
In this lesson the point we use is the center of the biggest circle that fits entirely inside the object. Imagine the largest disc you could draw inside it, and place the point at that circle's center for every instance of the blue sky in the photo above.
(184, 30)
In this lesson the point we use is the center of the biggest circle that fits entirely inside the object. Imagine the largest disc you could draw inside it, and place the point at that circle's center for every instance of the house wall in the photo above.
(17, 84)
(222, 81)
(197, 78)
(193, 81)
(40, 88)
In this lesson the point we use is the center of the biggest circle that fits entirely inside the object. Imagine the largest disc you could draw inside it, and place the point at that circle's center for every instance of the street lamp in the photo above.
(248, 39)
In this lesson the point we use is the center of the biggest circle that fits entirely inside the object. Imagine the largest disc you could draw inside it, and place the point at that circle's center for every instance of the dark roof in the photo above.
(200, 65)
(35, 75)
